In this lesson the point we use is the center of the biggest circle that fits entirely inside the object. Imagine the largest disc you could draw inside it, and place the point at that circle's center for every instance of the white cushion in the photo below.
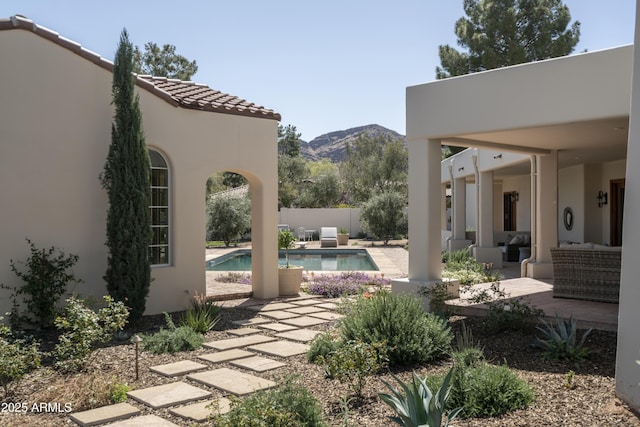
(517, 240)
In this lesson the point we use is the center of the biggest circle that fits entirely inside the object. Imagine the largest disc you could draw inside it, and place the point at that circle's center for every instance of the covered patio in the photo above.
(570, 118)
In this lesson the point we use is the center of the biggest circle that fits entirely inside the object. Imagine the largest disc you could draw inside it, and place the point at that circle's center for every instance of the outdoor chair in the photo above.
(329, 237)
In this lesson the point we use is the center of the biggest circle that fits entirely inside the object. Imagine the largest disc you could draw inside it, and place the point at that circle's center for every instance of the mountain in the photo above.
(332, 145)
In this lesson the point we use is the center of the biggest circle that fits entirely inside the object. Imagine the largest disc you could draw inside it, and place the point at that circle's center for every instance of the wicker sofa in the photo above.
(587, 274)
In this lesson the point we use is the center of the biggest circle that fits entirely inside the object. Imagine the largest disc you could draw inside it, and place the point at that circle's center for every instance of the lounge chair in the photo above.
(329, 237)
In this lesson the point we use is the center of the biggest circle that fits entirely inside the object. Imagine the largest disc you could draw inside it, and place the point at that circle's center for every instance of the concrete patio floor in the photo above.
(393, 262)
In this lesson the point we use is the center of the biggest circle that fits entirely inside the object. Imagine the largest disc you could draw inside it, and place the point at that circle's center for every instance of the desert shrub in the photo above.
(505, 313)
(289, 404)
(412, 336)
(202, 316)
(234, 277)
(83, 329)
(353, 361)
(172, 339)
(321, 346)
(488, 390)
(345, 283)
(118, 392)
(17, 357)
(482, 389)
(45, 278)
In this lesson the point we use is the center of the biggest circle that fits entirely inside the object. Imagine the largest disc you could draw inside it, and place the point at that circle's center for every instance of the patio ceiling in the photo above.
(586, 142)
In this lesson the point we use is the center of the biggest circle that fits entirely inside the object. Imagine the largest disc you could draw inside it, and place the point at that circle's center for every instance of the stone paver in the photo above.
(278, 327)
(312, 301)
(258, 363)
(272, 306)
(281, 348)
(240, 332)
(226, 355)
(250, 322)
(232, 381)
(305, 310)
(200, 411)
(104, 414)
(304, 321)
(229, 343)
(304, 335)
(178, 368)
(328, 306)
(168, 394)
(327, 315)
(279, 314)
(145, 421)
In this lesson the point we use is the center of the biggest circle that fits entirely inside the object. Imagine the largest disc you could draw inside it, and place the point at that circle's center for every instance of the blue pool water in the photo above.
(310, 259)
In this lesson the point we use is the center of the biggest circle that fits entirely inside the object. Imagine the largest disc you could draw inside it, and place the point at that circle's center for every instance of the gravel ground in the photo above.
(591, 403)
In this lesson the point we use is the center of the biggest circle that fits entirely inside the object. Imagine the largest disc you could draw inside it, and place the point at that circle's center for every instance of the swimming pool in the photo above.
(310, 259)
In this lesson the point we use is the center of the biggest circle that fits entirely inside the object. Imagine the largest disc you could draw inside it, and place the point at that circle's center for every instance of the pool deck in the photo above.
(393, 262)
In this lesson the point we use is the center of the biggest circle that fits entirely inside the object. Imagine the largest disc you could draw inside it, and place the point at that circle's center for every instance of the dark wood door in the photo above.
(616, 203)
(510, 211)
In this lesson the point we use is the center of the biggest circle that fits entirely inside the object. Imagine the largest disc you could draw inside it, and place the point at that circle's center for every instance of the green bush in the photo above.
(288, 405)
(17, 358)
(203, 315)
(353, 361)
(385, 215)
(484, 390)
(172, 339)
(228, 218)
(321, 346)
(399, 320)
(487, 390)
(83, 329)
(119, 392)
(46, 278)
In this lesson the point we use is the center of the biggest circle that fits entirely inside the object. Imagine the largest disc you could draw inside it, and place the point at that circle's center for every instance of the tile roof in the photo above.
(176, 92)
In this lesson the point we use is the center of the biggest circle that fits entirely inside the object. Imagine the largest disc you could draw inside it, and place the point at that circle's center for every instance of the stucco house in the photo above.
(56, 116)
(549, 135)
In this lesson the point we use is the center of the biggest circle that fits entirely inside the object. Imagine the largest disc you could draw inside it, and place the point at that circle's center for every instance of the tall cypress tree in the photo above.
(126, 178)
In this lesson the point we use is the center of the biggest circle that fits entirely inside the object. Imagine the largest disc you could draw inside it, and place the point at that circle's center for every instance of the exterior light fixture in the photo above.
(498, 156)
(603, 198)
(136, 340)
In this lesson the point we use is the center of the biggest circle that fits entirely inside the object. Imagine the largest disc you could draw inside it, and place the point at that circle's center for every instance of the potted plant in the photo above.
(343, 236)
(289, 276)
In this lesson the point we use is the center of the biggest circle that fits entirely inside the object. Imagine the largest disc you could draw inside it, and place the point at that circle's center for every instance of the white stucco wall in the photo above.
(56, 119)
(628, 350)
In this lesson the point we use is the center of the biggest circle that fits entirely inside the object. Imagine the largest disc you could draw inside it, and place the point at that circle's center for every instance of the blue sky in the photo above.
(323, 65)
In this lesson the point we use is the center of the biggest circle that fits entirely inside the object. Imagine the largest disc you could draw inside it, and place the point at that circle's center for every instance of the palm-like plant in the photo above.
(418, 406)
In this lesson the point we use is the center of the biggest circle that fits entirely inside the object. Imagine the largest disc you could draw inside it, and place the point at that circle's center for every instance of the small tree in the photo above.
(163, 62)
(229, 218)
(126, 178)
(384, 215)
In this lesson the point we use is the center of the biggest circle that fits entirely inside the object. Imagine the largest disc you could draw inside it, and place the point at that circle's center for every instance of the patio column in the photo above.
(484, 251)
(628, 351)
(424, 216)
(264, 240)
(546, 206)
(458, 215)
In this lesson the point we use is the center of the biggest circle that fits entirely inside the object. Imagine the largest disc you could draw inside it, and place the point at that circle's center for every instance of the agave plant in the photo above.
(418, 406)
(560, 340)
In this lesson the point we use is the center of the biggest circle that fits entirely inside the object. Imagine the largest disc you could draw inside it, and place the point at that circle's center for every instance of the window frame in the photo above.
(167, 206)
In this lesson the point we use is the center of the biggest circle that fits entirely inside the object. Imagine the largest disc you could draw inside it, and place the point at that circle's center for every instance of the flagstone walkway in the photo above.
(249, 350)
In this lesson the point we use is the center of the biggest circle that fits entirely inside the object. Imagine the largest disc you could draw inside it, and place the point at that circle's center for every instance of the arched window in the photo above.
(159, 249)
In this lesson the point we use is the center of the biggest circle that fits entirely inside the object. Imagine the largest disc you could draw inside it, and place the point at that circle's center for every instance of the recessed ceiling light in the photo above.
(618, 128)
